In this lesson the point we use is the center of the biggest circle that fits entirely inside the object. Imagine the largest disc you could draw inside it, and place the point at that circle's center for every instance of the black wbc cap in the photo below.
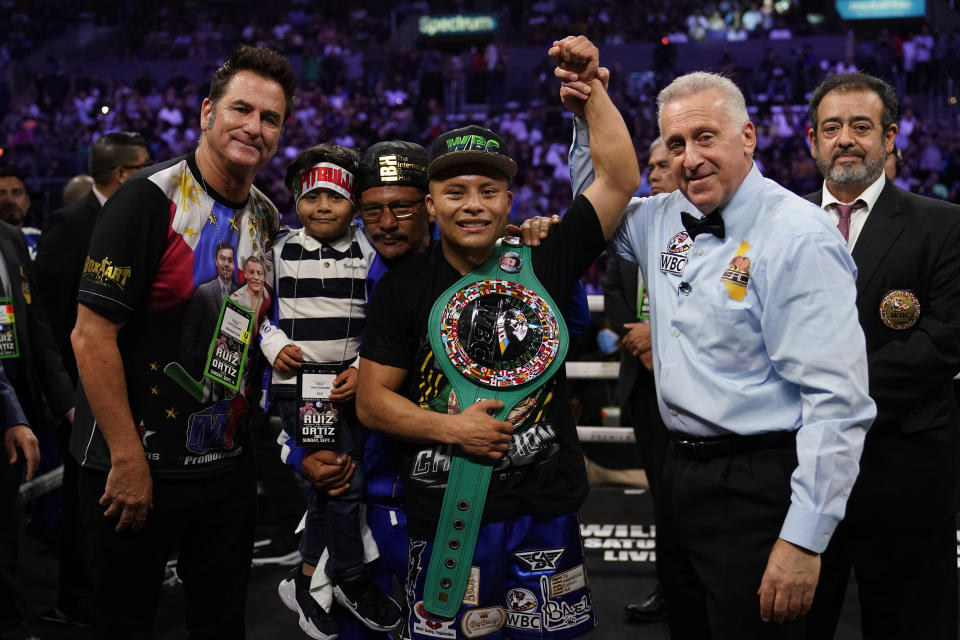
(472, 144)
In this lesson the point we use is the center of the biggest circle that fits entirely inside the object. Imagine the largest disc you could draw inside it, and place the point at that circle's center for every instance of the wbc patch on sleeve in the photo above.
(737, 274)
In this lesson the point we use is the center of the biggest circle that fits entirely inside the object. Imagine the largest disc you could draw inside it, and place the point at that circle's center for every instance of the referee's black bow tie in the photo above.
(710, 223)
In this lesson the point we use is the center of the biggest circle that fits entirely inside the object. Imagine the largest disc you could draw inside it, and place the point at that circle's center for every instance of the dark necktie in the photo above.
(710, 223)
(844, 211)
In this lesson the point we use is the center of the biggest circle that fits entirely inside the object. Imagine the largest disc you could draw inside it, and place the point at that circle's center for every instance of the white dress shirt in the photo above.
(99, 196)
(858, 217)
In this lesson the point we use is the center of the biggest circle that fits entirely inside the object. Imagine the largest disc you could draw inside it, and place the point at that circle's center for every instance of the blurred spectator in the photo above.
(908, 122)
(931, 158)
(77, 188)
(923, 44)
(781, 31)
(932, 187)
(697, 25)
(846, 65)
(15, 206)
(752, 18)
(893, 164)
(905, 180)
(14, 198)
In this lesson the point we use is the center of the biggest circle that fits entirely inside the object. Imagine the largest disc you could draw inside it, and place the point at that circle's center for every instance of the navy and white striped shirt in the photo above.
(320, 300)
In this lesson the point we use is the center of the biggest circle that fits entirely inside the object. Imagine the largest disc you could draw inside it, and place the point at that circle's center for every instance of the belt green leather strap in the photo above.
(495, 333)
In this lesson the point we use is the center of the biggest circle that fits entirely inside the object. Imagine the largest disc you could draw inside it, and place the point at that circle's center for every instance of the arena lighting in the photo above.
(953, 100)
(665, 40)
(457, 24)
(104, 109)
(880, 9)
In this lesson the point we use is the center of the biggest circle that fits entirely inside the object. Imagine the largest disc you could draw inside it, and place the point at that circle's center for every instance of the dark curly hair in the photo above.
(261, 61)
(848, 82)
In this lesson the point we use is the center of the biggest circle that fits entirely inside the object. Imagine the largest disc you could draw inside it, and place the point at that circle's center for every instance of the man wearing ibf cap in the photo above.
(530, 532)
(392, 184)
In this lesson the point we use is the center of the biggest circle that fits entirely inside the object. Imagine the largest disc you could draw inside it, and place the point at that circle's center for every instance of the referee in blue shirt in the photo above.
(760, 367)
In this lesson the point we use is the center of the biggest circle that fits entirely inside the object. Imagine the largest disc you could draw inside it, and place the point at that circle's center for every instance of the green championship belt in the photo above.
(496, 334)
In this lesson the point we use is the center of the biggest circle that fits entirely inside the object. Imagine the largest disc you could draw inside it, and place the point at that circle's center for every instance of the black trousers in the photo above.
(75, 586)
(907, 582)
(210, 519)
(284, 503)
(719, 519)
(13, 606)
(333, 522)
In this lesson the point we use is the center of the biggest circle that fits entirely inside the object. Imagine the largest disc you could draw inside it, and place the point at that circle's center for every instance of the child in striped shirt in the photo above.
(320, 273)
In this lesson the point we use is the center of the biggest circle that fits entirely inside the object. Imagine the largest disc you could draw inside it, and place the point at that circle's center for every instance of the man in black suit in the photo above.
(899, 531)
(35, 370)
(635, 387)
(16, 435)
(114, 157)
(77, 188)
(202, 315)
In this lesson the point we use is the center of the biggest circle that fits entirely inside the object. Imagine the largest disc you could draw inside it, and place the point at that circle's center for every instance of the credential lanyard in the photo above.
(227, 357)
(643, 305)
(9, 345)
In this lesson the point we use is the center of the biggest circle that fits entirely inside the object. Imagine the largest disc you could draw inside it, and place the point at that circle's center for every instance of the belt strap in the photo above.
(507, 274)
(701, 449)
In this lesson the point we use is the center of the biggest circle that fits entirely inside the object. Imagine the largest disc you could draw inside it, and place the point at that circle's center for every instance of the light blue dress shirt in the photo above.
(789, 355)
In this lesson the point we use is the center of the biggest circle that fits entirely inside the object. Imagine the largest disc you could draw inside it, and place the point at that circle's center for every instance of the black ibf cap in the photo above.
(472, 144)
(394, 163)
